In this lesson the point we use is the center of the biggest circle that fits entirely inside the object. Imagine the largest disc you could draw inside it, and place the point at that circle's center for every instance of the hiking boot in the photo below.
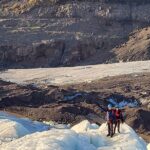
(112, 135)
(108, 134)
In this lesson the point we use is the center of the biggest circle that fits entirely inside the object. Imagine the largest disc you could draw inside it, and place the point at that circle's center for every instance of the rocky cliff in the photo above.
(48, 33)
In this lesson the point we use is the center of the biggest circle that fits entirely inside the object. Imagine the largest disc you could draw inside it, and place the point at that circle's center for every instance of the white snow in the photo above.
(71, 97)
(84, 126)
(148, 147)
(12, 127)
(67, 75)
(25, 135)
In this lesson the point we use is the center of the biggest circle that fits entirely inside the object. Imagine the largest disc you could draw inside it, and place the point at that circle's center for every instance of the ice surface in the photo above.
(73, 75)
(12, 127)
(72, 96)
(123, 103)
(28, 135)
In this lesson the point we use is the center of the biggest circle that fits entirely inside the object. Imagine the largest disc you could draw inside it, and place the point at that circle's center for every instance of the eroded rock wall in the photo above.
(70, 32)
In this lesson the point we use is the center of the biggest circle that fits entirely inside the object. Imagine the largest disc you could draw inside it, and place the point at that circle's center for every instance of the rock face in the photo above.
(42, 54)
(42, 33)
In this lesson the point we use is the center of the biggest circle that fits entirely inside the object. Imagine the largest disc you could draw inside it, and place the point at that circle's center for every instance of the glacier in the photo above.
(24, 134)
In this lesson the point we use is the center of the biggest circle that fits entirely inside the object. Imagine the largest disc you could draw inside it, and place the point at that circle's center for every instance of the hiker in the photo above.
(118, 120)
(110, 117)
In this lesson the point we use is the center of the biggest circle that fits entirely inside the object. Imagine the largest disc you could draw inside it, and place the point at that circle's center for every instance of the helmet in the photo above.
(109, 106)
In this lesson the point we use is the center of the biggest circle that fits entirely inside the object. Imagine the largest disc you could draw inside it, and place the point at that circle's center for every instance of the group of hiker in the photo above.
(114, 117)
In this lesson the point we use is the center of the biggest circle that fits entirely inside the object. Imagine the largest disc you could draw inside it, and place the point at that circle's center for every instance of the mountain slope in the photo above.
(136, 48)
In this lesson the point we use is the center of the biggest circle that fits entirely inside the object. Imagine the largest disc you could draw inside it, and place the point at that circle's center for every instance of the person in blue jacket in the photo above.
(110, 117)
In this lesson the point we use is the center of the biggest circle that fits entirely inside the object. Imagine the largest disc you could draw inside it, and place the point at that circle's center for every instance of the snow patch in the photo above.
(71, 97)
(123, 103)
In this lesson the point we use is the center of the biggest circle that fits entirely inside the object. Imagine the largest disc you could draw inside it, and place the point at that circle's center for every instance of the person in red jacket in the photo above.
(119, 119)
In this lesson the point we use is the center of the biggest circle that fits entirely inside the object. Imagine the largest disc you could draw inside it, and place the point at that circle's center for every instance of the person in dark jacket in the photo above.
(110, 117)
(119, 119)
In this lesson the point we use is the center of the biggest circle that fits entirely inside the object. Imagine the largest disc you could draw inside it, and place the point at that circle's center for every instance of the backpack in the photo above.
(118, 113)
(110, 115)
